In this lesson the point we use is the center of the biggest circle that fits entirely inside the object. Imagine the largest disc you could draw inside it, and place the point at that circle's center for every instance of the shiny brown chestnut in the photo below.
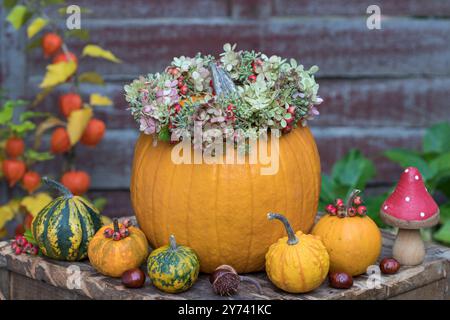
(133, 278)
(389, 266)
(340, 280)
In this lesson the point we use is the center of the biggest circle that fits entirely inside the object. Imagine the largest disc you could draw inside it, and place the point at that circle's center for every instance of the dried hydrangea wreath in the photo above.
(264, 93)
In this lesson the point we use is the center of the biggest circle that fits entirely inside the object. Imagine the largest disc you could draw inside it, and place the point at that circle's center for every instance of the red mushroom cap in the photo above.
(410, 206)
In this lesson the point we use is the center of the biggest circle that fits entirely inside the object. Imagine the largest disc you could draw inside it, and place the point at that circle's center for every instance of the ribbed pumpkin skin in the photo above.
(353, 243)
(173, 271)
(113, 258)
(297, 268)
(220, 210)
(64, 228)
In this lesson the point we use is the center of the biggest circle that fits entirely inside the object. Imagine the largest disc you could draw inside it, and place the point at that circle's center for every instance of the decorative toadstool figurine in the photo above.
(410, 207)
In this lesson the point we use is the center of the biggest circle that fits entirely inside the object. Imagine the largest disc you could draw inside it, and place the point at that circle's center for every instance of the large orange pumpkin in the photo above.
(220, 210)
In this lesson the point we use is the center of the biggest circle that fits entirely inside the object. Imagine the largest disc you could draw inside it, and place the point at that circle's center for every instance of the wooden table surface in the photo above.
(33, 277)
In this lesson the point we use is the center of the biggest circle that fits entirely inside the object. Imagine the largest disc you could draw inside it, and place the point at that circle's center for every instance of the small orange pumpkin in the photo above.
(113, 256)
(353, 241)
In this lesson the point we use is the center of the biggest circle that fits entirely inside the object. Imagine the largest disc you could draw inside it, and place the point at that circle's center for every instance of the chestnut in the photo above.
(133, 278)
(340, 280)
(389, 266)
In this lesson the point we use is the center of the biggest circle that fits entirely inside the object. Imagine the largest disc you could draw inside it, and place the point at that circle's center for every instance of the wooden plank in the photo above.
(95, 286)
(4, 284)
(434, 291)
(24, 288)
(114, 9)
(403, 47)
(435, 8)
(364, 103)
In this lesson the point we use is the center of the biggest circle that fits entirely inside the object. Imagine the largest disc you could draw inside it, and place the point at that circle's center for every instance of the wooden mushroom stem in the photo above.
(409, 248)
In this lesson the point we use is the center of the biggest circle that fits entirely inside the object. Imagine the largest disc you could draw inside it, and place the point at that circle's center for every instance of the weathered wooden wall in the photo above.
(381, 87)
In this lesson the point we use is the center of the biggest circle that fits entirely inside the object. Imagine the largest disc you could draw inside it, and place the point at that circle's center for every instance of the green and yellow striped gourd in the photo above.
(173, 268)
(65, 226)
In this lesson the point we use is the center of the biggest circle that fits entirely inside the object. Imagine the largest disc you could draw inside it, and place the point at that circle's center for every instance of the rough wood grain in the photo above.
(95, 286)
(357, 103)
(342, 47)
(435, 8)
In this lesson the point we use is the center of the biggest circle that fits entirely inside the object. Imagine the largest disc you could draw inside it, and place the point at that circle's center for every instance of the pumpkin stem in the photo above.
(350, 198)
(58, 186)
(172, 242)
(253, 281)
(292, 238)
(116, 225)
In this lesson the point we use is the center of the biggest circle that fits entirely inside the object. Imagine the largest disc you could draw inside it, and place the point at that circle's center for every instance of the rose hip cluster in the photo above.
(21, 245)
(119, 232)
(354, 207)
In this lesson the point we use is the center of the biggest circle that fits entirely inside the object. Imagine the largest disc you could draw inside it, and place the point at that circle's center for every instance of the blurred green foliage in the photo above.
(354, 171)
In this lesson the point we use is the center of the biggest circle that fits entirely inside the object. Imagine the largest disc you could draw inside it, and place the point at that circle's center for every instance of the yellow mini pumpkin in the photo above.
(353, 240)
(296, 263)
(117, 248)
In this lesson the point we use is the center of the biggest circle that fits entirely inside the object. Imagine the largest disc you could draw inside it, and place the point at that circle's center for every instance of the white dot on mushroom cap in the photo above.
(385, 207)
(416, 177)
(407, 170)
(407, 199)
(422, 214)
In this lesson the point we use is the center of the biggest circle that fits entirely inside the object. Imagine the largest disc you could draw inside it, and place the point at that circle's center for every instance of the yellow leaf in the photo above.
(91, 77)
(36, 26)
(8, 212)
(34, 204)
(43, 127)
(106, 220)
(78, 120)
(3, 233)
(96, 99)
(92, 50)
(58, 73)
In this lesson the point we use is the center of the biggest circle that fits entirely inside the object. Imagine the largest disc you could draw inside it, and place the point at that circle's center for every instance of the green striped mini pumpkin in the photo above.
(65, 226)
(173, 268)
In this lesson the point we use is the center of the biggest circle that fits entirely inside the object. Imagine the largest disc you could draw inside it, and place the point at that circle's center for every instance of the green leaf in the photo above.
(18, 16)
(80, 34)
(91, 77)
(7, 112)
(353, 170)
(23, 127)
(100, 203)
(326, 193)
(29, 236)
(38, 156)
(441, 163)
(164, 134)
(406, 158)
(373, 205)
(444, 213)
(8, 4)
(443, 234)
(33, 114)
(437, 138)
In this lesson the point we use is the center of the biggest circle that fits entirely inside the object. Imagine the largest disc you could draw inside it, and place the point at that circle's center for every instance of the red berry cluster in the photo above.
(290, 121)
(21, 245)
(230, 113)
(255, 64)
(118, 232)
(354, 207)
